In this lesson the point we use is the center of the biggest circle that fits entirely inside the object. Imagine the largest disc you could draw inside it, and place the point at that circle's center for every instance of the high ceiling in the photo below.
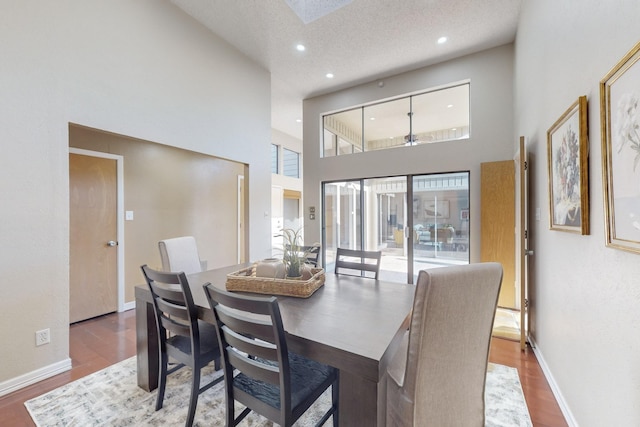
(360, 41)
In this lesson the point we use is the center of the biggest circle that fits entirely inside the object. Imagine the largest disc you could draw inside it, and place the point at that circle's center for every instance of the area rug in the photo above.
(111, 397)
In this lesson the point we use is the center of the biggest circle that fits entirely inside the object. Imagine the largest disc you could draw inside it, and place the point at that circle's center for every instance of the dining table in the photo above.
(351, 323)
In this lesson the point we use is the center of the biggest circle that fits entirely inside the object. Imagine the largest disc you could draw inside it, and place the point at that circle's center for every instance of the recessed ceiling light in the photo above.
(372, 118)
(450, 106)
(442, 39)
(299, 120)
(329, 75)
(453, 128)
(301, 47)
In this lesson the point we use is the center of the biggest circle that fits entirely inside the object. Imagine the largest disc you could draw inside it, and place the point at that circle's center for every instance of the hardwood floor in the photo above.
(101, 342)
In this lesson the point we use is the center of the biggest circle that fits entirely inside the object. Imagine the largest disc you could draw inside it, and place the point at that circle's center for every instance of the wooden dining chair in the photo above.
(436, 376)
(259, 370)
(182, 337)
(358, 262)
(312, 253)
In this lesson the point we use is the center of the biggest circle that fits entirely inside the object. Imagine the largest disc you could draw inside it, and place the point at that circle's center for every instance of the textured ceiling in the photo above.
(362, 41)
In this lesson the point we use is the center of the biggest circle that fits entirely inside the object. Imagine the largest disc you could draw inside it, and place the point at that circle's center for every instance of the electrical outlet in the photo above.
(43, 337)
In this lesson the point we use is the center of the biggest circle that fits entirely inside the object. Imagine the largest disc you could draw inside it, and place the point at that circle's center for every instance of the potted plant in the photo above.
(294, 254)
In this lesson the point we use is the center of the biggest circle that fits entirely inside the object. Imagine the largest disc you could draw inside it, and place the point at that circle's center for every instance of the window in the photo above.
(434, 116)
(274, 158)
(290, 163)
(329, 144)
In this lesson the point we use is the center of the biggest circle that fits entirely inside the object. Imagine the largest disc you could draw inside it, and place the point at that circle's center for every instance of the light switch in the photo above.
(128, 215)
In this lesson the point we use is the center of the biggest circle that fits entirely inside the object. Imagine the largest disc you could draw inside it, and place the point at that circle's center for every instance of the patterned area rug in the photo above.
(111, 397)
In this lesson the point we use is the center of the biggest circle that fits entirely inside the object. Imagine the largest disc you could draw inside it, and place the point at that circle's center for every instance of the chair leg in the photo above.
(162, 380)
(335, 399)
(193, 401)
(230, 412)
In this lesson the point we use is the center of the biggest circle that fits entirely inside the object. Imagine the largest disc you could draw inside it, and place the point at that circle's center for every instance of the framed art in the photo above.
(568, 165)
(620, 122)
(437, 209)
(464, 214)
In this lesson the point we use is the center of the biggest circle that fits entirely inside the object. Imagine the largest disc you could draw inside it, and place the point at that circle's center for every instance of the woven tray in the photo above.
(245, 281)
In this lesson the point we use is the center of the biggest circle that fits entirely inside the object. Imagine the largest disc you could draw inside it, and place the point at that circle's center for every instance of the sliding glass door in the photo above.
(416, 221)
(342, 219)
(440, 220)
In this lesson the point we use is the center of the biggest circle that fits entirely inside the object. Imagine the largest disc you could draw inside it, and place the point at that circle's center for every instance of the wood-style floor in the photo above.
(101, 342)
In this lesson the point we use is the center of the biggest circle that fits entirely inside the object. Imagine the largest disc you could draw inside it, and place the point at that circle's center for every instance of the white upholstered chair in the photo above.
(437, 375)
(181, 254)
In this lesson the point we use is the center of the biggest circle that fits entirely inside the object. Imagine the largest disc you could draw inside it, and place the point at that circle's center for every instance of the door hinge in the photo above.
(526, 165)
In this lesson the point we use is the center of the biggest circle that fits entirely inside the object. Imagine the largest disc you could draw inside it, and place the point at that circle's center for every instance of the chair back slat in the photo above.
(174, 327)
(250, 345)
(358, 262)
(172, 308)
(254, 368)
(255, 327)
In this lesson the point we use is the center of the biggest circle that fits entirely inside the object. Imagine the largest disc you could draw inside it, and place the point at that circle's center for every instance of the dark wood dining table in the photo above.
(351, 323)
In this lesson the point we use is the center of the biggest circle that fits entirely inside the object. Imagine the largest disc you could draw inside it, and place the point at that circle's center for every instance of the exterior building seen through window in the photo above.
(274, 159)
(290, 163)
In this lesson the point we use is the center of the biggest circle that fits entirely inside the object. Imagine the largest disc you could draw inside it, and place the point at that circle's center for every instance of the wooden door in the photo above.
(497, 223)
(93, 276)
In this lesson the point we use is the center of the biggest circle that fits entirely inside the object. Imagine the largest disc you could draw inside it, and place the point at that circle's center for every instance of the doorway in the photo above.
(96, 274)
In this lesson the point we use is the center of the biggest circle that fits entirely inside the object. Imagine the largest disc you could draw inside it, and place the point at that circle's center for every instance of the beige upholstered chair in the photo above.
(437, 375)
(181, 254)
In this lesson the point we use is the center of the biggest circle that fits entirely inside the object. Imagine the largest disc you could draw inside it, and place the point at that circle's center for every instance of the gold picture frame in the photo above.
(620, 126)
(568, 167)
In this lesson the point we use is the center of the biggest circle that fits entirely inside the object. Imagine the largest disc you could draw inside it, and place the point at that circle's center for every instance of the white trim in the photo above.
(120, 214)
(33, 377)
(564, 407)
(129, 305)
(240, 219)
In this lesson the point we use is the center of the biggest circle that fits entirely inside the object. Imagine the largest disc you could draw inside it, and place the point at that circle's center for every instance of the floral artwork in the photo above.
(620, 99)
(568, 170)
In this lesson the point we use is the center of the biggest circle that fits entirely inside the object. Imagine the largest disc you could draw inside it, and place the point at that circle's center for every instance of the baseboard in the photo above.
(129, 306)
(571, 421)
(33, 377)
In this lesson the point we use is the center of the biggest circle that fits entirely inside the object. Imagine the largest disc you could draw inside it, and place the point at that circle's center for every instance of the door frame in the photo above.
(122, 306)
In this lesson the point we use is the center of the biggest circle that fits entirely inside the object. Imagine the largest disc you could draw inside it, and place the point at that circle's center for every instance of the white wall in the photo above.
(491, 111)
(584, 295)
(140, 68)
